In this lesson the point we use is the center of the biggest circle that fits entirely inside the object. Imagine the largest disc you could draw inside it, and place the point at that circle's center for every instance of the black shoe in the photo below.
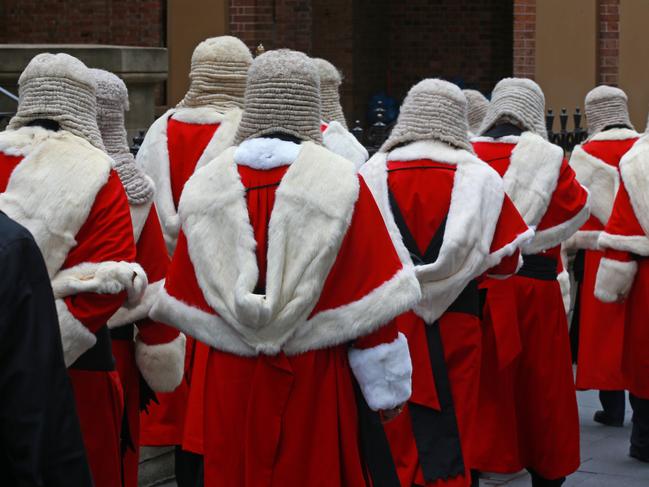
(603, 418)
(635, 452)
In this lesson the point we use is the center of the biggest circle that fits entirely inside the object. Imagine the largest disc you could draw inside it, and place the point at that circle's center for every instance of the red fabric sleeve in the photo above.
(366, 258)
(509, 227)
(568, 199)
(181, 280)
(152, 256)
(624, 222)
(107, 235)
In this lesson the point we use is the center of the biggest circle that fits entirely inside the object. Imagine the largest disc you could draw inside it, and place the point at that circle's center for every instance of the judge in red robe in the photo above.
(598, 326)
(56, 180)
(188, 136)
(623, 274)
(449, 214)
(335, 135)
(285, 269)
(527, 405)
(157, 354)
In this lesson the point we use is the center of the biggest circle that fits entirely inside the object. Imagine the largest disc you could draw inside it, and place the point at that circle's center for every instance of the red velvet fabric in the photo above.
(601, 325)
(422, 189)
(527, 405)
(259, 409)
(163, 424)
(185, 145)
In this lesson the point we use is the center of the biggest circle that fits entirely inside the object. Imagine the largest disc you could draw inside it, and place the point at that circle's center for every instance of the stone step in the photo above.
(156, 467)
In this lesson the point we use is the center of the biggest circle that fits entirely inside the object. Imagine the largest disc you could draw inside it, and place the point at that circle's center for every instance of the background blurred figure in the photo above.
(40, 439)
(335, 135)
(598, 326)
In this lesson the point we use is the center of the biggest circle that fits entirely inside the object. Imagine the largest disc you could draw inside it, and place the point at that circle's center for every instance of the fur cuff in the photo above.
(553, 236)
(126, 315)
(75, 337)
(636, 244)
(583, 239)
(614, 279)
(340, 141)
(384, 373)
(162, 365)
(108, 277)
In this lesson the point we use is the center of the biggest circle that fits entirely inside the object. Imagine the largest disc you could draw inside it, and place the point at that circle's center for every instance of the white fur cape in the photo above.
(602, 181)
(530, 182)
(153, 156)
(476, 203)
(51, 193)
(312, 212)
(341, 141)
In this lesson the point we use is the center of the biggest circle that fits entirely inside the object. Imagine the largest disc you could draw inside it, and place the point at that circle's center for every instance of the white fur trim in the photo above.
(326, 329)
(615, 134)
(476, 203)
(52, 190)
(553, 236)
(313, 209)
(384, 373)
(600, 178)
(127, 315)
(75, 337)
(508, 250)
(614, 279)
(108, 277)
(341, 141)
(153, 156)
(636, 244)
(266, 153)
(564, 283)
(161, 365)
(532, 176)
(583, 239)
(507, 139)
(139, 217)
(634, 168)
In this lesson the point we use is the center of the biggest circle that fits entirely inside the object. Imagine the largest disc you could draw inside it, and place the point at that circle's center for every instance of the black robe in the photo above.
(40, 437)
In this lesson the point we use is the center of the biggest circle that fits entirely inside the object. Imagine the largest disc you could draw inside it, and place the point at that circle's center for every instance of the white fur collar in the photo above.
(52, 190)
(615, 134)
(600, 178)
(153, 156)
(506, 139)
(313, 208)
(476, 203)
(266, 153)
(634, 168)
(341, 141)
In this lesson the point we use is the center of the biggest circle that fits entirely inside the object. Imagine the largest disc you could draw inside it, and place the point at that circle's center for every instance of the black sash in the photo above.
(539, 267)
(100, 357)
(578, 272)
(436, 432)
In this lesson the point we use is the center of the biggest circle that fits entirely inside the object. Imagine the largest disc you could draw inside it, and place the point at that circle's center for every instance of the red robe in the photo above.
(260, 406)
(156, 343)
(105, 236)
(624, 270)
(527, 405)
(410, 175)
(601, 325)
(189, 136)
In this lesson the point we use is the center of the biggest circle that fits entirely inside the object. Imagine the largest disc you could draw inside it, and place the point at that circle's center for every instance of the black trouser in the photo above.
(640, 431)
(189, 468)
(614, 404)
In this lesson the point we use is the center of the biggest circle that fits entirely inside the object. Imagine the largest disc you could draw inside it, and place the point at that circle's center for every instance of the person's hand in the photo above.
(388, 415)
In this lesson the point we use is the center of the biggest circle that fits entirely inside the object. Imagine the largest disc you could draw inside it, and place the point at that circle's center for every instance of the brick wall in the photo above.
(124, 22)
(275, 24)
(609, 42)
(524, 38)
(466, 41)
